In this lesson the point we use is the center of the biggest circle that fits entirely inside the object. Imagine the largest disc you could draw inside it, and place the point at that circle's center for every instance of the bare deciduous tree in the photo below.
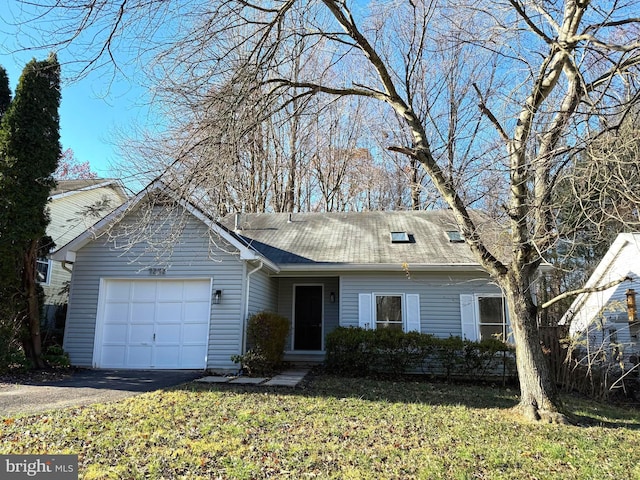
(541, 81)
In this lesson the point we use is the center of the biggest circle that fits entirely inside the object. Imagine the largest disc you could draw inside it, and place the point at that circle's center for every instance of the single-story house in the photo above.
(606, 320)
(74, 206)
(161, 284)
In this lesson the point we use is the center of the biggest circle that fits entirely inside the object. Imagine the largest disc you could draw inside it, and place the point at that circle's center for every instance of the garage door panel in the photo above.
(167, 356)
(166, 333)
(154, 324)
(171, 290)
(140, 333)
(191, 356)
(139, 356)
(143, 312)
(113, 356)
(197, 291)
(118, 291)
(170, 312)
(144, 290)
(116, 312)
(115, 333)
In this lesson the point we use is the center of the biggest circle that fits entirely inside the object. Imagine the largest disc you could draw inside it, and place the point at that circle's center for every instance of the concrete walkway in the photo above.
(288, 378)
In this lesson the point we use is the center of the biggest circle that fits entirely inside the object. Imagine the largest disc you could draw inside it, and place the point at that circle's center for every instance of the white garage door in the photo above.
(154, 324)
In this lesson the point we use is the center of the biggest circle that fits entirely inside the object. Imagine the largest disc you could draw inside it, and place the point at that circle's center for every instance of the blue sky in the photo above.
(93, 109)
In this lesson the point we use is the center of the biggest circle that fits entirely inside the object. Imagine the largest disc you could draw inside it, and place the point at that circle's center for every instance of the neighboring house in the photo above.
(144, 304)
(601, 319)
(74, 206)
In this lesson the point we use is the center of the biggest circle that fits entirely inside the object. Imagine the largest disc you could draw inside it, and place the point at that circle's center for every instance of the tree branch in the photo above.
(484, 109)
(586, 290)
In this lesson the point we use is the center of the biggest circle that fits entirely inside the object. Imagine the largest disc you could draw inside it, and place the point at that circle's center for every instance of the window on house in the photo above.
(389, 311)
(400, 237)
(455, 236)
(43, 270)
(492, 318)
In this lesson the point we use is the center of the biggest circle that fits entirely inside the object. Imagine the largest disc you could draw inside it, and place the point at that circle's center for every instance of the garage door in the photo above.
(154, 324)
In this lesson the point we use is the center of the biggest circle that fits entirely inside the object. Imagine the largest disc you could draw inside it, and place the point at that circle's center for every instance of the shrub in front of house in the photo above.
(359, 352)
(266, 338)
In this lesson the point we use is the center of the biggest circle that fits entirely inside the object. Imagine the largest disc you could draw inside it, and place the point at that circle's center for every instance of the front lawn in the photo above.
(332, 428)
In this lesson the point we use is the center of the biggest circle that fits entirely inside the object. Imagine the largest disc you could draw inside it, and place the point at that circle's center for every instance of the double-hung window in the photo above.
(492, 318)
(43, 271)
(389, 312)
(484, 316)
(397, 311)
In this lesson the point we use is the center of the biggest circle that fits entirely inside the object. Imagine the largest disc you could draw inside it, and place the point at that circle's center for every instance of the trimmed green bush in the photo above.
(266, 337)
(359, 352)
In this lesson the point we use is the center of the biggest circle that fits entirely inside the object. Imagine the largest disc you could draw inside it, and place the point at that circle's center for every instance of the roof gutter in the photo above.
(378, 267)
(246, 307)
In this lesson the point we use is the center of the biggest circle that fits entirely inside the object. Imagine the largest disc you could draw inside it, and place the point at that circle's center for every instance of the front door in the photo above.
(308, 318)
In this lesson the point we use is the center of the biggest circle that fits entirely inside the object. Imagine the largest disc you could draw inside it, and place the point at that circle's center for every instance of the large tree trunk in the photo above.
(539, 399)
(31, 340)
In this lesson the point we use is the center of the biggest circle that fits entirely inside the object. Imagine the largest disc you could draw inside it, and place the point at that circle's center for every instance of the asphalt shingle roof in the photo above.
(65, 186)
(353, 237)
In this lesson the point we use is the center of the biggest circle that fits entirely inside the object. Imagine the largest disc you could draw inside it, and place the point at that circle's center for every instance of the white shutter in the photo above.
(468, 317)
(365, 317)
(413, 312)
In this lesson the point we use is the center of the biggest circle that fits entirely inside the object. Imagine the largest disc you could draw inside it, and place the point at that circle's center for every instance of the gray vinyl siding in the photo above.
(191, 255)
(263, 292)
(439, 296)
(331, 311)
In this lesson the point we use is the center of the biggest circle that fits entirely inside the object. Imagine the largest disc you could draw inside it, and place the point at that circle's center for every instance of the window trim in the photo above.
(506, 324)
(49, 263)
(403, 307)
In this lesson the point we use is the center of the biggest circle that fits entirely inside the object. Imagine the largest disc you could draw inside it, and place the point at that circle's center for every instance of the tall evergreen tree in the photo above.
(5, 92)
(29, 153)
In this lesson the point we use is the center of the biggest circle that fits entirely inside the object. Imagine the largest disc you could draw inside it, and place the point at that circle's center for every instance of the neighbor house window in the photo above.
(43, 270)
(389, 311)
(492, 318)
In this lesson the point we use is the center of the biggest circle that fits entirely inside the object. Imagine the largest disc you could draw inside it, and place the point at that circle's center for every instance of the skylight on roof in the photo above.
(400, 237)
(455, 236)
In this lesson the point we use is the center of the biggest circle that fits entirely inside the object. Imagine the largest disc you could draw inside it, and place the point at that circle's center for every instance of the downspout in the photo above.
(246, 306)
(64, 266)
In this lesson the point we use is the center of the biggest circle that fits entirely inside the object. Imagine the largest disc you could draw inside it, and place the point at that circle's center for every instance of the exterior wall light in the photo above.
(217, 296)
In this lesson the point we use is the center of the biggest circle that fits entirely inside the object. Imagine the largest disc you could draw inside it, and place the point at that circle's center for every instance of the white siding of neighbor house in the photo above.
(594, 315)
(263, 292)
(191, 256)
(606, 311)
(439, 296)
(67, 222)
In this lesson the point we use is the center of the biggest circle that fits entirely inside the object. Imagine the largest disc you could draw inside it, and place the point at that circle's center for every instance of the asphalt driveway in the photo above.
(84, 387)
